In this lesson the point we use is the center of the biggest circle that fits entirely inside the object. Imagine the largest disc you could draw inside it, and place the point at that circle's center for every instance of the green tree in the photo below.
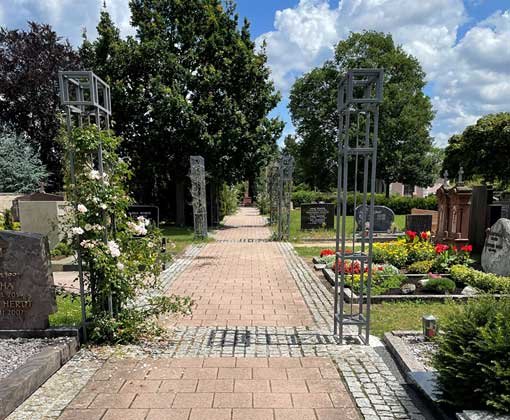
(190, 83)
(405, 151)
(29, 65)
(482, 150)
(21, 169)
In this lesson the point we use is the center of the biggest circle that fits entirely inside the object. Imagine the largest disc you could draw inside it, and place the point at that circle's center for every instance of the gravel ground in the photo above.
(16, 351)
(421, 348)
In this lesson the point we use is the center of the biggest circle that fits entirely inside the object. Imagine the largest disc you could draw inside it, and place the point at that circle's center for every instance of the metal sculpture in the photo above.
(285, 170)
(198, 195)
(272, 188)
(87, 100)
(360, 94)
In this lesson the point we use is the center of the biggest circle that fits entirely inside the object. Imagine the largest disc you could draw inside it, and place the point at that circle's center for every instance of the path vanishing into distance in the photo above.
(258, 346)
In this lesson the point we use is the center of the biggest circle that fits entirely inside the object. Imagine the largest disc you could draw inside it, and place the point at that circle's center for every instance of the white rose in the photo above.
(103, 206)
(88, 227)
(120, 266)
(93, 174)
(82, 209)
(113, 248)
(77, 231)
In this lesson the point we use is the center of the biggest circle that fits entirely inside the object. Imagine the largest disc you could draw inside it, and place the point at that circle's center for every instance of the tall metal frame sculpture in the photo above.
(198, 195)
(360, 94)
(285, 170)
(272, 188)
(87, 100)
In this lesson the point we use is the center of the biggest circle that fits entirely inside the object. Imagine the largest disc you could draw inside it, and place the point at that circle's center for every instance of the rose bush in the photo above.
(121, 257)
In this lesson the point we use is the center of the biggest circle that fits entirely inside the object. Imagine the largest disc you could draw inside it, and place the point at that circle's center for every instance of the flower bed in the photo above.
(414, 266)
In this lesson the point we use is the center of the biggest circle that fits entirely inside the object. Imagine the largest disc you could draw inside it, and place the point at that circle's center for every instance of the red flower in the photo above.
(425, 235)
(467, 248)
(325, 252)
(411, 235)
(440, 248)
(455, 249)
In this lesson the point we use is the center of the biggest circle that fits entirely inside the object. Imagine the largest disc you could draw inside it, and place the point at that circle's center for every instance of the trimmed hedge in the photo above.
(399, 204)
(472, 359)
(486, 282)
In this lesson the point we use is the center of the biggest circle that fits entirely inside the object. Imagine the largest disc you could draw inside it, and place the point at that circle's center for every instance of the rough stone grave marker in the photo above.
(383, 218)
(496, 252)
(419, 222)
(27, 293)
(317, 216)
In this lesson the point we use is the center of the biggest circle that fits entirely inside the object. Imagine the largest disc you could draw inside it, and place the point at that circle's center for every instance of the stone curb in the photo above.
(404, 358)
(25, 380)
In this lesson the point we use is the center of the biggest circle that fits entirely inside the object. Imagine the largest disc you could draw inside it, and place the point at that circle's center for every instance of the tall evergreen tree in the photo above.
(191, 82)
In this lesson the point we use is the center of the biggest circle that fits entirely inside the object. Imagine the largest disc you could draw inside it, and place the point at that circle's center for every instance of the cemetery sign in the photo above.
(317, 216)
(149, 212)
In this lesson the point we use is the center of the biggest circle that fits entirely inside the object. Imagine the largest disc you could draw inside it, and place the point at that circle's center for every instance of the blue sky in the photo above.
(463, 45)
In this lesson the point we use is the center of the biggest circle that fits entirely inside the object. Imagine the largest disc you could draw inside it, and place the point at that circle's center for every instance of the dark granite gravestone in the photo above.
(27, 293)
(496, 252)
(419, 222)
(149, 212)
(317, 216)
(383, 218)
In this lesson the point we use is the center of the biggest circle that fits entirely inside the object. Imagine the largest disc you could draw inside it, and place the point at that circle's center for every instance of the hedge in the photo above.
(472, 359)
(486, 282)
(399, 204)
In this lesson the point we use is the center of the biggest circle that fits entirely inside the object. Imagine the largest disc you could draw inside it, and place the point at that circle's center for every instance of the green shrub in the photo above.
(441, 285)
(420, 267)
(229, 198)
(8, 220)
(486, 282)
(400, 205)
(63, 249)
(472, 359)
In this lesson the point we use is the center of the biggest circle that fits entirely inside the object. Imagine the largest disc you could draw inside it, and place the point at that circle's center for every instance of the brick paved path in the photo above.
(258, 346)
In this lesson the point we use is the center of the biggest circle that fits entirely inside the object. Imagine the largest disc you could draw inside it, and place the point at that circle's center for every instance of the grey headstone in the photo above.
(496, 252)
(383, 218)
(419, 222)
(317, 216)
(27, 293)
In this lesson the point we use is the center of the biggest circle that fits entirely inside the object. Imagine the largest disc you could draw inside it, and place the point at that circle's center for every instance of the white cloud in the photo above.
(469, 77)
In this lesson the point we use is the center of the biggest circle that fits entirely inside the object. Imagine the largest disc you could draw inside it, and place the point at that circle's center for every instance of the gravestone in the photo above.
(383, 218)
(317, 216)
(496, 252)
(419, 222)
(149, 212)
(27, 294)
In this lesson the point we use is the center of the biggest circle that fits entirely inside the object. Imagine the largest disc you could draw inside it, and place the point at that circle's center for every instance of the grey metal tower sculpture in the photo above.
(272, 188)
(87, 100)
(360, 94)
(198, 195)
(285, 170)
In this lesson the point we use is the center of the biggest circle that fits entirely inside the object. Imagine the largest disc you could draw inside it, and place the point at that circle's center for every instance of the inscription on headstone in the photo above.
(496, 252)
(317, 216)
(27, 294)
(149, 212)
(419, 222)
(383, 218)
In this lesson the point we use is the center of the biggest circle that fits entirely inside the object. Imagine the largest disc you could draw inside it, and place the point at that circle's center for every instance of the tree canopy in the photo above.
(405, 152)
(29, 100)
(482, 150)
(21, 169)
(191, 82)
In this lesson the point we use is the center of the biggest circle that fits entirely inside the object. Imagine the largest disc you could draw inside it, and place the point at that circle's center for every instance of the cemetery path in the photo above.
(257, 347)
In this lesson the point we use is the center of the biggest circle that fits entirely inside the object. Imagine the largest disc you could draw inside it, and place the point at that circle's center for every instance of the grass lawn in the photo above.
(68, 311)
(387, 317)
(181, 237)
(297, 235)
